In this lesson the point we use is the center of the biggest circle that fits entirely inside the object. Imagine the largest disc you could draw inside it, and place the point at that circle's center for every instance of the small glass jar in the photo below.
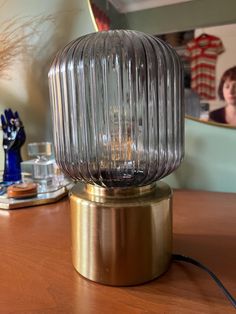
(43, 166)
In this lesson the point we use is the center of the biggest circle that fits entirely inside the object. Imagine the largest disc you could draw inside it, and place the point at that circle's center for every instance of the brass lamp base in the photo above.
(121, 236)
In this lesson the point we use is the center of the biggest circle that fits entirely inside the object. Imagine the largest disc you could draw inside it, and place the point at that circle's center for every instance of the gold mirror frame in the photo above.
(222, 125)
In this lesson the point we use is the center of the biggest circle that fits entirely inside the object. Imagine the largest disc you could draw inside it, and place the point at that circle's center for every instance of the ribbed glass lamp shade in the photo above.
(117, 105)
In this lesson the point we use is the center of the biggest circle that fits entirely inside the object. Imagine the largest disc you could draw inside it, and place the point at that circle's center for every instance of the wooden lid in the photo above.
(22, 190)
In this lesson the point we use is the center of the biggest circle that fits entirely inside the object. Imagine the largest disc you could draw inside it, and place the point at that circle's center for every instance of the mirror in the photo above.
(207, 55)
(189, 18)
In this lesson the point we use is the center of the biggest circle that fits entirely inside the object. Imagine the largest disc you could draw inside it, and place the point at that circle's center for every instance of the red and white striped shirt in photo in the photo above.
(203, 52)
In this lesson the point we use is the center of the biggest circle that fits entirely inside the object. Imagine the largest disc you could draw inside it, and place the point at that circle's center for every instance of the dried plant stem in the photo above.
(15, 35)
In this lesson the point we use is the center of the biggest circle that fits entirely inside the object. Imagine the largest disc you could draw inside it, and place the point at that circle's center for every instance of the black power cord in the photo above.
(182, 258)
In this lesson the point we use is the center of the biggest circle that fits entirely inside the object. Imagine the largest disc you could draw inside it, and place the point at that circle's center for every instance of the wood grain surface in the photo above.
(37, 276)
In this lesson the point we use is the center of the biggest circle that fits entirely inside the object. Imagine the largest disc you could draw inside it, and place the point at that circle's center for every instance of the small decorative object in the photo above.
(117, 103)
(43, 165)
(43, 168)
(22, 190)
(31, 182)
(13, 139)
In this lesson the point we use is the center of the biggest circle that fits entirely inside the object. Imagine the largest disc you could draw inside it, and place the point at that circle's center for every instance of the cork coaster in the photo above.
(22, 190)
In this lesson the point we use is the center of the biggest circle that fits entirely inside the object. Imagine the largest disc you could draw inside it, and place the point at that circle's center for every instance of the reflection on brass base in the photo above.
(122, 236)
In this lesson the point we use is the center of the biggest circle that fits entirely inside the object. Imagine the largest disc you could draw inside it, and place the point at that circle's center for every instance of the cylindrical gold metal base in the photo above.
(122, 236)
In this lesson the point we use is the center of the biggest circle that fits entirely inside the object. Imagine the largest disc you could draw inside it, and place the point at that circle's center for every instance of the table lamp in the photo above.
(116, 99)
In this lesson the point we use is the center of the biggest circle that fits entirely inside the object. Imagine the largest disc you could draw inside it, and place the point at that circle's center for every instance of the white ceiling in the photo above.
(124, 6)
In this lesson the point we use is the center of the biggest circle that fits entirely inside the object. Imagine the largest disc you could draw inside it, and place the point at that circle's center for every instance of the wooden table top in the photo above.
(37, 276)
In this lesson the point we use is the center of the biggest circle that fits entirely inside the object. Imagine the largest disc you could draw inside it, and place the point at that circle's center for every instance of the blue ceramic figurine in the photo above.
(13, 139)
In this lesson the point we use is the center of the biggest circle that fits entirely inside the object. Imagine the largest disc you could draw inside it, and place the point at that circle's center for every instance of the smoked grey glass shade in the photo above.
(117, 107)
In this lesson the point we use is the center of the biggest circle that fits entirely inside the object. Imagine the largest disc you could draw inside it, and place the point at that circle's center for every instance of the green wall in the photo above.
(210, 159)
(184, 16)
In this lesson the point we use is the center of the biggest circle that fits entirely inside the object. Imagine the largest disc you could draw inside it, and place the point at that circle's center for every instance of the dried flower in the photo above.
(15, 38)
